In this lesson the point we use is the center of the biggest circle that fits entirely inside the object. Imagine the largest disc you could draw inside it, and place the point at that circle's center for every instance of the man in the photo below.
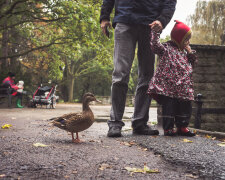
(131, 23)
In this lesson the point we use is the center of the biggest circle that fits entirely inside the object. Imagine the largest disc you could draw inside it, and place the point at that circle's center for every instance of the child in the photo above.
(20, 86)
(172, 84)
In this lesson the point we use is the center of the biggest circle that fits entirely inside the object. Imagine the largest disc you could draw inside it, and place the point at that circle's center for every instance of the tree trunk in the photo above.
(5, 39)
(71, 88)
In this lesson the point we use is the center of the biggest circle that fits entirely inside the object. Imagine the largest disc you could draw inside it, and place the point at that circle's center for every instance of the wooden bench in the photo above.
(6, 93)
(199, 111)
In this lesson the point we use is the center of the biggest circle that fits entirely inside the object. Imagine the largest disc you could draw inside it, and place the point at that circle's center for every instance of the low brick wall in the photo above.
(209, 80)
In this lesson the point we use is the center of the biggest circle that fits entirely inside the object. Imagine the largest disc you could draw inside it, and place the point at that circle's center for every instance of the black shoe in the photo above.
(114, 131)
(185, 132)
(170, 132)
(145, 130)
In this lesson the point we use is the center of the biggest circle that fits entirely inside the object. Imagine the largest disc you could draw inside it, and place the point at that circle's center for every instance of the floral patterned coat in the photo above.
(173, 76)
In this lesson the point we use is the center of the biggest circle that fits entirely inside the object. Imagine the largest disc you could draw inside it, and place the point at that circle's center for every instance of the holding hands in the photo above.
(156, 26)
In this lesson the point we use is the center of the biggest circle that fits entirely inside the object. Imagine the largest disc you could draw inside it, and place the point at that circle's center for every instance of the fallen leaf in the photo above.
(208, 137)
(40, 145)
(2, 175)
(144, 170)
(187, 141)
(191, 176)
(131, 143)
(74, 172)
(221, 144)
(104, 166)
(6, 126)
(126, 129)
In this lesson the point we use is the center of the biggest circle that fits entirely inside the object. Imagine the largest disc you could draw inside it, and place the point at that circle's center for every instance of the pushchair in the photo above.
(45, 96)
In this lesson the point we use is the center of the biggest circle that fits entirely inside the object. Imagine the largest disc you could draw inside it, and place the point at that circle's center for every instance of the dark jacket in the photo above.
(138, 11)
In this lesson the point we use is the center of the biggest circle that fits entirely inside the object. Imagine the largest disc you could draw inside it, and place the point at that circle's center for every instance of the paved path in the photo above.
(99, 157)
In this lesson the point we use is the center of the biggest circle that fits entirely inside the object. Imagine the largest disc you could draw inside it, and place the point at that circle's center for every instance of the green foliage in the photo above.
(58, 40)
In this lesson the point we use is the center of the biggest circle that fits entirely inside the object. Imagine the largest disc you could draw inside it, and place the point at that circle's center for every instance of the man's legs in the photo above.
(146, 60)
(124, 50)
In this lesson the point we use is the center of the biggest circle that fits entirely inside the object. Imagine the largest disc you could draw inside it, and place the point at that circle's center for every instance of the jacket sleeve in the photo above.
(168, 8)
(156, 46)
(106, 9)
(192, 58)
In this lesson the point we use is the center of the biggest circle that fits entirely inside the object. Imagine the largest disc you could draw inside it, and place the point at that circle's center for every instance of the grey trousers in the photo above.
(126, 38)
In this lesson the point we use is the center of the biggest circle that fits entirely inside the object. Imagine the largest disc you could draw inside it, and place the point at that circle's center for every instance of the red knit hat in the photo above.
(180, 32)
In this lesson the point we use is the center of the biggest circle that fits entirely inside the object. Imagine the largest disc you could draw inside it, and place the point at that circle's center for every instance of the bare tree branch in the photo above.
(12, 7)
(32, 49)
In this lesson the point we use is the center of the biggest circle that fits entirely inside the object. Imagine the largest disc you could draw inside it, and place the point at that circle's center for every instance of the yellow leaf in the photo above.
(6, 126)
(40, 145)
(191, 176)
(221, 144)
(2, 175)
(104, 166)
(126, 129)
(187, 140)
(208, 137)
(131, 143)
(144, 170)
(134, 170)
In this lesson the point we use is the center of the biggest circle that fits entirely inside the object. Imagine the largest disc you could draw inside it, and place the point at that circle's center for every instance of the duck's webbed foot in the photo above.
(77, 140)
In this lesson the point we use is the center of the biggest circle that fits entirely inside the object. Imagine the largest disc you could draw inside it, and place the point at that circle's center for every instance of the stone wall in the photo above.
(209, 80)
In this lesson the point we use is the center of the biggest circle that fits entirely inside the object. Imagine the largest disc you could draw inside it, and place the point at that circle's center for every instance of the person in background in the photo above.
(172, 83)
(131, 23)
(9, 82)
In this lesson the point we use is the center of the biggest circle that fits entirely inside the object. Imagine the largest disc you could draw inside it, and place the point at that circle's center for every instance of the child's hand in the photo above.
(188, 49)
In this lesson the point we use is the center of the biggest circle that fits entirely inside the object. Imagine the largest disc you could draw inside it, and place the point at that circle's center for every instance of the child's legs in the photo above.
(183, 113)
(168, 112)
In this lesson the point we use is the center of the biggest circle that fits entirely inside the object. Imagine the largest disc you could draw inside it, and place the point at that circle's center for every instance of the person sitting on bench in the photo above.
(9, 82)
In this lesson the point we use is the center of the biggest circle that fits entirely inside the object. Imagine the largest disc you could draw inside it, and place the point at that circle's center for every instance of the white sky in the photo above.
(184, 8)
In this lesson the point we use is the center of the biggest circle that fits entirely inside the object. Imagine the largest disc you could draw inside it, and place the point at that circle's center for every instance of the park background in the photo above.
(60, 42)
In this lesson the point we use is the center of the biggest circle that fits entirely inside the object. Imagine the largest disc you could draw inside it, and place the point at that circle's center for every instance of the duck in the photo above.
(77, 122)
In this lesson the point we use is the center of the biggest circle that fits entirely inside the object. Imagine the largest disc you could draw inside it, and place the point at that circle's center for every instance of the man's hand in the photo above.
(104, 26)
(156, 26)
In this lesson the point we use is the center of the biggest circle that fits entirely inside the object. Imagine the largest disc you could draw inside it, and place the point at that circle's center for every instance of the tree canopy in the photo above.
(208, 22)
(59, 40)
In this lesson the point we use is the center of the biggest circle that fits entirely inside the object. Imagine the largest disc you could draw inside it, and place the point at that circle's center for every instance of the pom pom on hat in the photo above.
(179, 32)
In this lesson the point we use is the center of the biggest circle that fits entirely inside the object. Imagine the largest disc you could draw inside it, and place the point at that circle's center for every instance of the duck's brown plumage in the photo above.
(77, 122)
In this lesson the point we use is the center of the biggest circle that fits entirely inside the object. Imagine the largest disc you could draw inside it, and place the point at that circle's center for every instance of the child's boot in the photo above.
(18, 103)
(184, 131)
(168, 124)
